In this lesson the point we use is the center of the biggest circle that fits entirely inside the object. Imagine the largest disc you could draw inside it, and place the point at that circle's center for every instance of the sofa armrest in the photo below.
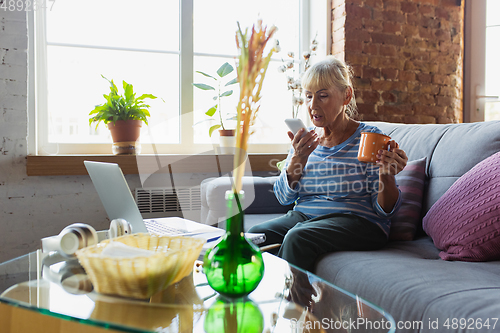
(259, 198)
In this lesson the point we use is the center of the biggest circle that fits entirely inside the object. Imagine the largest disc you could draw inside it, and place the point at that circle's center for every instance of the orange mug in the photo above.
(370, 144)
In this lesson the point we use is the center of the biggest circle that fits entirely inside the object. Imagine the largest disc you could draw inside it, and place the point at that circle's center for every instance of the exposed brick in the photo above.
(392, 27)
(426, 99)
(426, 10)
(390, 73)
(419, 119)
(425, 32)
(444, 100)
(424, 77)
(394, 16)
(377, 14)
(427, 88)
(371, 73)
(410, 68)
(375, 3)
(361, 83)
(400, 85)
(357, 70)
(441, 79)
(386, 62)
(449, 91)
(394, 109)
(392, 5)
(430, 2)
(371, 49)
(357, 59)
(356, 12)
(421, 55)
(407, 76)
(381, 85)
(373, 25)
(388, 50)
(338, 35)
(366, 109)
(388, 39)
(338, 47)
(389, 97)
(409, 7)
(448, 68)
(442, 35)
(338, 23)
(369, 96)
(409, 30)
(359, 35)
(337, 3)
(429, 22)
(338, 12)
(449, 3)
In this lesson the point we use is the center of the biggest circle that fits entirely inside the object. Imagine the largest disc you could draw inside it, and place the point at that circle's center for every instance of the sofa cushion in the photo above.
(411, 183)
(465, 222)
(408, 280)
(451, 150)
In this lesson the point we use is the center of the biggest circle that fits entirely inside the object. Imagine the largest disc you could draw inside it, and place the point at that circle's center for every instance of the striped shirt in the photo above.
(334, 181)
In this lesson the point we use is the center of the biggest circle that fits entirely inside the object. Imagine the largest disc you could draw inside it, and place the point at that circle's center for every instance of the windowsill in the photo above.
(72, 165)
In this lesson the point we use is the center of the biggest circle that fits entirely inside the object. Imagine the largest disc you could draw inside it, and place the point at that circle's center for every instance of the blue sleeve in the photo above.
(373, 180)
(282, 190)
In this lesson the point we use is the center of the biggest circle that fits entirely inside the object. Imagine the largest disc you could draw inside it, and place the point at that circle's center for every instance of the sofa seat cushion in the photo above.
(465, 222)
(408, 280)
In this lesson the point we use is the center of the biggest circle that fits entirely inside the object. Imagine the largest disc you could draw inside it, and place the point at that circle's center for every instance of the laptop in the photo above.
(117, 199)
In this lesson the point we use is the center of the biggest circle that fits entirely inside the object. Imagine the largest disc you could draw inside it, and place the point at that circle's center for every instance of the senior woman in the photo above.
(341, 204)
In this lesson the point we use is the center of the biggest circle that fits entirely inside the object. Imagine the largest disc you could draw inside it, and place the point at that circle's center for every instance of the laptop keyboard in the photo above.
(160, 229)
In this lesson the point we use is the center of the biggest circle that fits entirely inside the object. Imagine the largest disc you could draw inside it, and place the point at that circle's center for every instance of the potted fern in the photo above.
(124, 115)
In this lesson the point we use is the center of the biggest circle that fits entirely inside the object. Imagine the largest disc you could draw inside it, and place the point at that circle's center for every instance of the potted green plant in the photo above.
(226, 135)
(124, 115)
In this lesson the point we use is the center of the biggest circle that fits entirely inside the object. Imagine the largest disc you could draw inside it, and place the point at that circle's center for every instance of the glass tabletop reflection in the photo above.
(288, 299)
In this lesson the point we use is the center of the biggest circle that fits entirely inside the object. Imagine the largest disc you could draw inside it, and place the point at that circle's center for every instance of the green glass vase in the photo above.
(234, 316)
(234, 267)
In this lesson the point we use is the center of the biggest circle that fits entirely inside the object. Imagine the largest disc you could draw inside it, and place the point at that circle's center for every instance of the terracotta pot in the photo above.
(125, 130)
(227, 141)
(227, 132)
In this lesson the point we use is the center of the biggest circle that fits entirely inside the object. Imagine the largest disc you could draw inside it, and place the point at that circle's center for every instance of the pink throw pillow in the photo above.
(465, 222)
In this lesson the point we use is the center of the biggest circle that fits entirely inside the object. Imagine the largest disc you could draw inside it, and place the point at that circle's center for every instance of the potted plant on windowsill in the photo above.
(124, 115)
(226, 136)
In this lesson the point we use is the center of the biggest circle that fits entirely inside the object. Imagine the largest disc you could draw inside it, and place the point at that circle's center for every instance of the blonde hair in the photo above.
(331, 72)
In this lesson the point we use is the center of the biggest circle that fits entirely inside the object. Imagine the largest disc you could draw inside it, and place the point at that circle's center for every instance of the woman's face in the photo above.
(325, 106)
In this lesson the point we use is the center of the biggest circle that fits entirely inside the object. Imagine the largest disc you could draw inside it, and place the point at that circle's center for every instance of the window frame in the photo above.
(37, 91)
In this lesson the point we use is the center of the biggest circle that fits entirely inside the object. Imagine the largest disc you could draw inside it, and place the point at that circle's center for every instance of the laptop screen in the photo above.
(115, 194)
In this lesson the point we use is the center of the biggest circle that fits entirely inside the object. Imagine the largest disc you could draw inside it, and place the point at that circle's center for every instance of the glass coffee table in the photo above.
(287, 300)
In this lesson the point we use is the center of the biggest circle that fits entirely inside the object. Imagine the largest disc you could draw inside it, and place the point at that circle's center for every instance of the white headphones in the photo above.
(119, 227)
(79, 235)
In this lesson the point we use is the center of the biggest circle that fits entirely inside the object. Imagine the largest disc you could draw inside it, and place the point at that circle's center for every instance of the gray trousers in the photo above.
(303, 240)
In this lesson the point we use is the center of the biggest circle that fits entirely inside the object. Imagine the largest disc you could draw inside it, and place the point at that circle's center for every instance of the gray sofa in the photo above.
(406, 278)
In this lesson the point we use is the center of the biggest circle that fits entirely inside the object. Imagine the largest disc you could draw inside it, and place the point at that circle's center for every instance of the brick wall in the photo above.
(406, 56)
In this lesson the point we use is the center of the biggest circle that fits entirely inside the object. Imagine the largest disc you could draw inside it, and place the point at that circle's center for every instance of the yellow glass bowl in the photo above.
(144, 276)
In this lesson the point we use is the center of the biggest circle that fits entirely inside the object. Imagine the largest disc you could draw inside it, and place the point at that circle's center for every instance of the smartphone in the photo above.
(295, 124)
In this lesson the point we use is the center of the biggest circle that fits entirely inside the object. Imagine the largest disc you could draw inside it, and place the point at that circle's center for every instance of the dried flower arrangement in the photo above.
(294, 80)
(251, 69)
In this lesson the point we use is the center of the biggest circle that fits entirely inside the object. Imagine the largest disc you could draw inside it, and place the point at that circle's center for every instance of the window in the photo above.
(156, 45)
(481, 87)
(492, 86)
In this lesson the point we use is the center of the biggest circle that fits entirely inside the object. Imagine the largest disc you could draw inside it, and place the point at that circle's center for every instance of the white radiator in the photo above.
(154, 202)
